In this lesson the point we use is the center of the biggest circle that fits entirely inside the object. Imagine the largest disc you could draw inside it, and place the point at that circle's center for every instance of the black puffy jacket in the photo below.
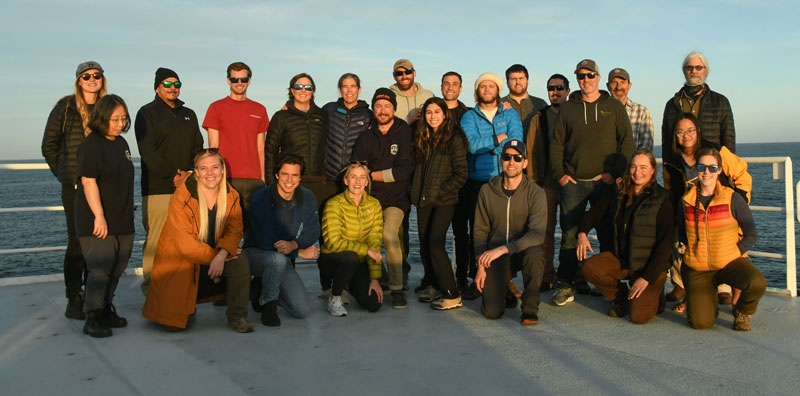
(297, 132)
(344, 127)
(438, 177)
(63, 135)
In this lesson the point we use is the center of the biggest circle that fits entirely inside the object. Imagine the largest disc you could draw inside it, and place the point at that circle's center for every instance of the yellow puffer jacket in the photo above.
(713, 243)
(356, 228)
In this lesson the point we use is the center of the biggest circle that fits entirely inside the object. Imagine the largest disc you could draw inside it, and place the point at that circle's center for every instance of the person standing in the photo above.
(518, 98)
(410, 95)
(168, 135)
(619, 84)
(67, 126)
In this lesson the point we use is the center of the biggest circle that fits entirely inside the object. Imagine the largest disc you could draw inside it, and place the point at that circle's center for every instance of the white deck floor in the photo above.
(576, 350)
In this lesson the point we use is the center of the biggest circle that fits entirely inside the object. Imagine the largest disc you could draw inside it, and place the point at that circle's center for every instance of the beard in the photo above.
(492, 100)
(693, 81)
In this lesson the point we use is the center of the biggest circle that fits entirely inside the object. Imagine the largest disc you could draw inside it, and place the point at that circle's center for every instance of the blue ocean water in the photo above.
(38, 229)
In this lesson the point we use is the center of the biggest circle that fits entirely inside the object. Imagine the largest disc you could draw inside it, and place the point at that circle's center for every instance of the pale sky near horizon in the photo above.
(751, 47)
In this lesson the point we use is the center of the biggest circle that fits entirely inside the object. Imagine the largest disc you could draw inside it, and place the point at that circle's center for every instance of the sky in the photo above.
(752, 50)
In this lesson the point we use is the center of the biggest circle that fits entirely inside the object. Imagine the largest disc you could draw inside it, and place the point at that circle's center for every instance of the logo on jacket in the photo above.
(605, 113)
(187, 118)
(128, 155)
(393, 149)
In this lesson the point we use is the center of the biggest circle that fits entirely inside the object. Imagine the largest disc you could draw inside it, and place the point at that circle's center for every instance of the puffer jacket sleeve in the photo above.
(54, 135)
(736, 169)
(274, 136)
(477, 144)
(727, 132)
(514, 128)
(458, 158)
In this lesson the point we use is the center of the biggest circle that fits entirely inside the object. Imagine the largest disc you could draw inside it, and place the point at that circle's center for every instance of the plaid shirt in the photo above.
(641, 124)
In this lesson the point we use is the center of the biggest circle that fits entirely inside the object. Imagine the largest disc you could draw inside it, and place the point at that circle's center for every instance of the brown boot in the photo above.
(677, 294)
(741, 322)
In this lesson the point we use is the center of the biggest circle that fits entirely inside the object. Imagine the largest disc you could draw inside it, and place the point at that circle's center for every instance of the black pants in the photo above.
(106, 260)
(74, 263)
(246, 189)
(531, 260)
(432, 224)
(347, 270)
(466, 264)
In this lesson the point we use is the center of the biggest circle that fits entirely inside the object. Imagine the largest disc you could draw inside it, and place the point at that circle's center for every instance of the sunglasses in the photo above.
(711, 168)
(508, 157)
(689, 132)
(169, 84)
(581, 76)
(235, 80)
(87, 76)
(300, 87)
(212, 150)
(399, 73)
(552, 88)
(697, 68)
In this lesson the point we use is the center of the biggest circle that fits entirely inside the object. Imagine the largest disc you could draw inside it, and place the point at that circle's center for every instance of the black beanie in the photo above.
(385, 94)
(162, 74)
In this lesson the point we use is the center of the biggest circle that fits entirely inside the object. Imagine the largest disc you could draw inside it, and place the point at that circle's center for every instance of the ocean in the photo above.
(27, 188)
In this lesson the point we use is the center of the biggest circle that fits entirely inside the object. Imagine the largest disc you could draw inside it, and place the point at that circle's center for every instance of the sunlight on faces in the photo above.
(117, 122)
(384, 111)
(301, 96)
(451, 88)
(619, 87)
(488, 92)
(686, 133)
(239, 88)
(288, 179)
(349, 91)
(512, 168)
(694, 76)
(707, 178)
(92, 86)
(168, 94)
(434, 116)
(404, 81)
(641, 170)
(356, 181)
(208, 172)
(517, 83)
(556, 96)
(589, 85)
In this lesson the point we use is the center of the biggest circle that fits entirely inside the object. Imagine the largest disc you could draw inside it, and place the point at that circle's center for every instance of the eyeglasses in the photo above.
(235, 80)
(552, 88)
(697, 68)
(169, 84)
(300, 87)
(711, 168)
(212, 150)
(687, 133)
(87, 76)
(120, 120)
(399, 73)
(581, 76)
(508, 157)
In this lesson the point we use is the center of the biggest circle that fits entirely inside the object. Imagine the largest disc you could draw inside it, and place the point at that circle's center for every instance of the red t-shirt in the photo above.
(238, 123)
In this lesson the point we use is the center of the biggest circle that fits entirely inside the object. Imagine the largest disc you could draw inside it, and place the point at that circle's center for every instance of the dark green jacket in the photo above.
(438, 177)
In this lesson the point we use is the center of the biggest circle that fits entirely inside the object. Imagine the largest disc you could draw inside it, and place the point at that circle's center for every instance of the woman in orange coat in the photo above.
(198, 246)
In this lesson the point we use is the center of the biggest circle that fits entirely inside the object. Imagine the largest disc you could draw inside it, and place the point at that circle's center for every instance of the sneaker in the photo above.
(513, 288)
(429, 294)
(741, 322)
(677, 294)
(422, 286)
(241, 325)
(335, 306)
(255, 293)
(444, 304)
(110, 318)
(75, 307)
(563, 296)
(326, 294)
(94, 327)
(725, 298)
(269, 314)
(399, 299)
(471, 292)
(529, 319)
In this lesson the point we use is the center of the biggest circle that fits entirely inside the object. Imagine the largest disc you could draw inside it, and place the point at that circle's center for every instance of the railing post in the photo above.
(791, 261)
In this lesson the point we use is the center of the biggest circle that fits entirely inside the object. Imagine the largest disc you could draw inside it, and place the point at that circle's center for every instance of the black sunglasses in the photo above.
(212, 150)
(508, 157)
(399, 73)
(87, 76)
(711, 168)
(697, 68)
(168, 84)
(581, 76)
(235, 80)
(556, 88)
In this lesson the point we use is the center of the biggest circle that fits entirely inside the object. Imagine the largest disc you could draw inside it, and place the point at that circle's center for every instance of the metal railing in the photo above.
(781, 169)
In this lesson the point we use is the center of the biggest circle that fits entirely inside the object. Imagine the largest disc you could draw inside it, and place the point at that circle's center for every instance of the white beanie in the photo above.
(490, 77)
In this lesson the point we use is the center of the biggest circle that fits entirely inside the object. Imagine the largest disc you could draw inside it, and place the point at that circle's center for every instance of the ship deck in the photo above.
(576, 349)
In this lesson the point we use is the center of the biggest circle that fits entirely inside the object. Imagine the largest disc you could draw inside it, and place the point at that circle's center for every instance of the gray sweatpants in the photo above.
(106, 260)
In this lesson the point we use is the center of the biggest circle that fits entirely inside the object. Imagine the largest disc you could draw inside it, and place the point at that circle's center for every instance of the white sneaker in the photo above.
(335, 306)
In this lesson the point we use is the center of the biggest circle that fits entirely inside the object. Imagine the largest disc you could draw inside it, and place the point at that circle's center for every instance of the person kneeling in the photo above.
(284, 225)
(644, 230)
(510, 224)
(197, 247)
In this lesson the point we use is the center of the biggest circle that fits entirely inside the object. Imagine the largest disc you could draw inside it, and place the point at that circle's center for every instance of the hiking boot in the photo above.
(429, 294)
(422, 286)
(529, 319)
(444, 304)
(399, 299)
(513, 288)
(255, 293)
(94, 327)
(725, 298)
(618, 310)
(741, 322)
(269, 314)
(110, 318)
(563, 295)
(335, 306)
(471, 292)
(75, 307)
(677, 294)
(511, 299)
(241, 325)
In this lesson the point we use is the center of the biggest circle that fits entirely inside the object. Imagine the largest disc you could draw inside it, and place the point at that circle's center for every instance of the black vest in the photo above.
(641, 233)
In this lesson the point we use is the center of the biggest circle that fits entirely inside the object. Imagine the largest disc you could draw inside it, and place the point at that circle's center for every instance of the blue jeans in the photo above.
(280, 281)
(574, 198)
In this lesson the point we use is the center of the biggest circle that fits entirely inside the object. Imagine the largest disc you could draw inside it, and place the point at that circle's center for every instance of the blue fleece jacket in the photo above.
(272, 219)
(483, 159)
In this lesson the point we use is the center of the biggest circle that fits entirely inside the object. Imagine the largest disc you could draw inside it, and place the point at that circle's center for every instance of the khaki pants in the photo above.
(237, 278)
(677, 279)
(392, 221)
(155, 209)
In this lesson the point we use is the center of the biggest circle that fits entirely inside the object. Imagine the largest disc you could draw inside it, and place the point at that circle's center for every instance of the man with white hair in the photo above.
(711, 108)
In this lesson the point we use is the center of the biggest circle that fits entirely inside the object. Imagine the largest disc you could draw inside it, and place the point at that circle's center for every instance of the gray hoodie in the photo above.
(518, 222)
(408, 105)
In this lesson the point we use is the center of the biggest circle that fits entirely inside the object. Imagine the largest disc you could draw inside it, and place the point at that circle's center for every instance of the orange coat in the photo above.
(172, 294)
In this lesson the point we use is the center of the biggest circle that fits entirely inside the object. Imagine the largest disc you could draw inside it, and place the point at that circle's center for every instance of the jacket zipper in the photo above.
(508, 217)
(708, 243)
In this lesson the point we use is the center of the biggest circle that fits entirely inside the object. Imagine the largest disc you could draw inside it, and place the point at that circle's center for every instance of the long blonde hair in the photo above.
(222, 197)
(83, 107)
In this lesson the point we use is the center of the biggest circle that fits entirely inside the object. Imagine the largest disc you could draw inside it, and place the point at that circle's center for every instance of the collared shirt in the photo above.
(641, 125)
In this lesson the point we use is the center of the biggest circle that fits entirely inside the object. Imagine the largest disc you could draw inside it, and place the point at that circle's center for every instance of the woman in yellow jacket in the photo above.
(352, 230)
(715, 252)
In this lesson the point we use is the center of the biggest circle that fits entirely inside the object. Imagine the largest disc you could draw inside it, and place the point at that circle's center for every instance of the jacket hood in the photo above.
(496, 184)
(575, 97)
(397, 90)
(398, 123)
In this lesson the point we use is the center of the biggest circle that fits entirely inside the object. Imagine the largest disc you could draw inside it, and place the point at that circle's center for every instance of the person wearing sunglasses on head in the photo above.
(236, 125)
(168, 135)
(718, 230)
(410, 94)
(301, 128)
(510, 223)
(619, 84)
(680, 175)
(537, 141)
(711, 108)
(66, 128)
(590, 149)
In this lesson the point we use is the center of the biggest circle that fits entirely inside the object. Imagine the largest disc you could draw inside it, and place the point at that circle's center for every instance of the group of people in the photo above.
(334, 184)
